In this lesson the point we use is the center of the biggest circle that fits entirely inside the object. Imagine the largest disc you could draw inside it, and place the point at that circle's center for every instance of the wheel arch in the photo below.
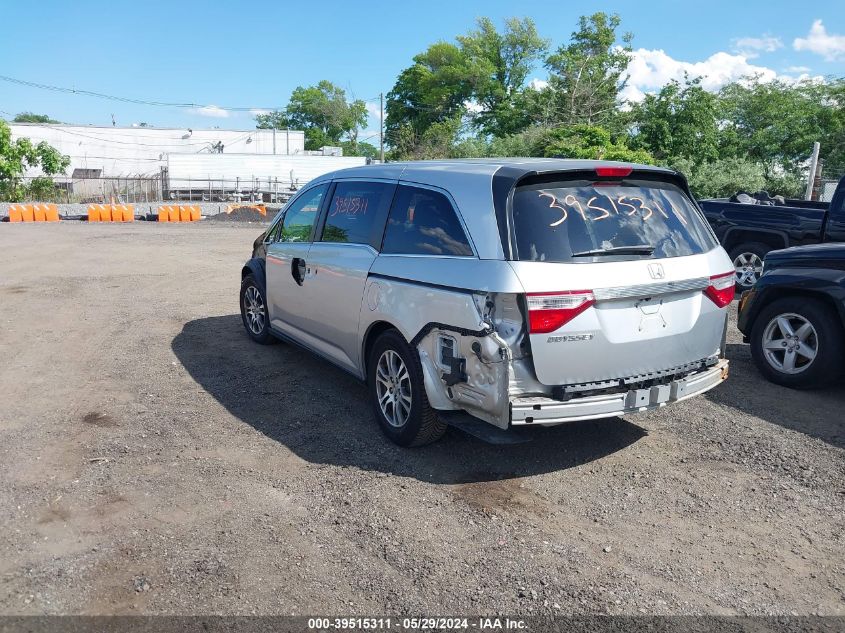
(254, 267)
(735, 236)
(374, 330)
(776, 294)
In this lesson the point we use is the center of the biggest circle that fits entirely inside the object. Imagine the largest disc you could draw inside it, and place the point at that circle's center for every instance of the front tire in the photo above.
(798, 342)
(397, 392)
(254, 312)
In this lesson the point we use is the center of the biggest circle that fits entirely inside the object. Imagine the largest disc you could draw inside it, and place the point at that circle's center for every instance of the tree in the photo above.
(591, 142)
(681, 120)
(359, 148)
(500, 64)
(432, 91)
(322, 112)
(18, 155)
(722, 178)
(438, 140)
(31, 117)
(774, 122)
(586, 75)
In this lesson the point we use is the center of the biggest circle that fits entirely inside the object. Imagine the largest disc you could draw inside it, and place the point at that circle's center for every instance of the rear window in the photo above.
(555, 220)
(423, 222)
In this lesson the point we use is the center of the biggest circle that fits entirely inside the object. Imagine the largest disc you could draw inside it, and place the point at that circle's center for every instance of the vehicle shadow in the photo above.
(323, 415)
(818, 412)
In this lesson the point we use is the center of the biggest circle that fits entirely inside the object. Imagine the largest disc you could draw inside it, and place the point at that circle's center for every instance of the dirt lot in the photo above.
(154, 460)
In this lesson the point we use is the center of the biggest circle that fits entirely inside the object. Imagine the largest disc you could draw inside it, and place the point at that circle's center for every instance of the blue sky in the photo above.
(255, 53)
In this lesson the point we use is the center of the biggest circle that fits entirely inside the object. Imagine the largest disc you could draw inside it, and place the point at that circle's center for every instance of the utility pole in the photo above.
(381, 125)
(811, 179)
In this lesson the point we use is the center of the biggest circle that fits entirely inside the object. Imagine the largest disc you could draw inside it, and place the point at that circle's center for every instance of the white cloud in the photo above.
(258, 111)
(212, 111)
(753, 46)
(651, 69)
(797, 69)
(373, 109)
(820, 42)
(538, 84)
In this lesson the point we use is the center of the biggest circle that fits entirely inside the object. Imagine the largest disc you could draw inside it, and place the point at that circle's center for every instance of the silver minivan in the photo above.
(519, 291)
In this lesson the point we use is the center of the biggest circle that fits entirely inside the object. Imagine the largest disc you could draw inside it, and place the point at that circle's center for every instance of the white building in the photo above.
(135, 151)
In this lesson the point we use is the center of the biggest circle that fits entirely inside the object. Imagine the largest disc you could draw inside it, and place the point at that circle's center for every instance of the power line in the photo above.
(100, 95)
(135, 143)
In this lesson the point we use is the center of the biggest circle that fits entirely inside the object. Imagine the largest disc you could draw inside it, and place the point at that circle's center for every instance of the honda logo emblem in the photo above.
(656, 271)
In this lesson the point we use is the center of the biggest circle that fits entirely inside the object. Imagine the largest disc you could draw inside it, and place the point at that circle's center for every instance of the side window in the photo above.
(301, 215)
(355, 210)
(423, 222)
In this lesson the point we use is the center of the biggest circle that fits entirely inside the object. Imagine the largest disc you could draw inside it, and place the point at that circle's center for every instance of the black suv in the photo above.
(794, 317)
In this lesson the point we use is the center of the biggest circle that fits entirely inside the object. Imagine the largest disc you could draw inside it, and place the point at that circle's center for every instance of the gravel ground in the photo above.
(154, 460)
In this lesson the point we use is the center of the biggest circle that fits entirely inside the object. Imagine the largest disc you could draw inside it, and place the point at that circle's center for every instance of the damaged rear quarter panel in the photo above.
(424, 297)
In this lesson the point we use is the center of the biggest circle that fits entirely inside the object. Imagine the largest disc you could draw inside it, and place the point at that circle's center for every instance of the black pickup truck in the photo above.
(749, 231)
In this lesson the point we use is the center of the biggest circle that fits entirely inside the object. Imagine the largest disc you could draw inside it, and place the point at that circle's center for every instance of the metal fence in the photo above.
(159, 188)
(827, 179)
(65, 189)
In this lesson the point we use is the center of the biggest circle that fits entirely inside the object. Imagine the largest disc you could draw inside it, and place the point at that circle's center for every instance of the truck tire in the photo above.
(254, 312)
(798, 342)
(748, 262)
(397, 391)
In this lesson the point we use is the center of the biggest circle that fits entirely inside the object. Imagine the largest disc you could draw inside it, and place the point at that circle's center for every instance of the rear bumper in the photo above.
(546, 411)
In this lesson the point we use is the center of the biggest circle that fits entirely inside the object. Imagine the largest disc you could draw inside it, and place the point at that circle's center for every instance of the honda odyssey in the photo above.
(519, 291)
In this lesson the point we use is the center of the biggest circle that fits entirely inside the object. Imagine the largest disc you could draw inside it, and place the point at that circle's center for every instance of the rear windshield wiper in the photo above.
(640, 249)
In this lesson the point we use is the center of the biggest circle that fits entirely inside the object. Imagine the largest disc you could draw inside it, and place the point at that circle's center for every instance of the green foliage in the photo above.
(359, 148)
(586, 75)
(773, 122)
(789, 184)
(16, 156)
(591, 142)
(499, 64)
(436, 141)
(721, 178)
(430, 93)
(323, 112)
(679, 121)
(31, 117)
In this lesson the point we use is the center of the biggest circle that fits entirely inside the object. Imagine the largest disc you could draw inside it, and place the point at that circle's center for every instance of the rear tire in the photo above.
(748, 263)
(254, 312)
(787, 332)
(397, 392)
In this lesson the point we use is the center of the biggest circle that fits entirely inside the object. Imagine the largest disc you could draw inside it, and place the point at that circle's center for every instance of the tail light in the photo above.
(548, 311)
(722, 289)
(613, 171)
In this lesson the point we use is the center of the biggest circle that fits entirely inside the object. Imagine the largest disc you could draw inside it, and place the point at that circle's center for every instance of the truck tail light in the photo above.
(722, 289)
(548, 311)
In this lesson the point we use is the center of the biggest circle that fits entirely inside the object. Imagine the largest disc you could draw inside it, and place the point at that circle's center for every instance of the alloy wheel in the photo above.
(748, 268)
(790, 343)
(393, 388)
(254, 310)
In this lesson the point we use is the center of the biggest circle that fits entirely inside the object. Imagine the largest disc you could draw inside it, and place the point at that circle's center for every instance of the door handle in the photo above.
(298, 270)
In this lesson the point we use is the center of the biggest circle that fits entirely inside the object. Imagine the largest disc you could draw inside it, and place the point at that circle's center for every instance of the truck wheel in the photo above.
(254, 311)
(798, 342)
(748, 263)
(397, 392)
